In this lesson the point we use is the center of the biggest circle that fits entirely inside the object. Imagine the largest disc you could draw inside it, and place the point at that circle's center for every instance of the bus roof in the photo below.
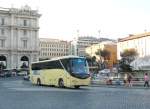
(58, 58)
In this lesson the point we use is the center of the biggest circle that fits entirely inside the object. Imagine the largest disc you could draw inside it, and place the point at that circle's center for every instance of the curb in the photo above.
(118, 86)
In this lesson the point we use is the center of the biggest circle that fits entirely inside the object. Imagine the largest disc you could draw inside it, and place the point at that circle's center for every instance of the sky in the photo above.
(61, 19)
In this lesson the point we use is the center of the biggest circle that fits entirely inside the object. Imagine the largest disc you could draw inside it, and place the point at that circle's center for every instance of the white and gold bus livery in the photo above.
(66, 71)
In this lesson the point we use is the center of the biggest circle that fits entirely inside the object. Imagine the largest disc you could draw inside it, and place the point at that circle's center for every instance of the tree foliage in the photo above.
(128, 56)
(91, 60)
(124, 66)
(129, 53)
(104, 53)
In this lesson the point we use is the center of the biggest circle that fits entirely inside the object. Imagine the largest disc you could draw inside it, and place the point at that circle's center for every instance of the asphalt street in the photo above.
(15, 93)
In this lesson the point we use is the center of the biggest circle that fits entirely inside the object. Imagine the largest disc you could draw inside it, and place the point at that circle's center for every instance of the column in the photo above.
(18, 60)
(11, 32)
(11, 42)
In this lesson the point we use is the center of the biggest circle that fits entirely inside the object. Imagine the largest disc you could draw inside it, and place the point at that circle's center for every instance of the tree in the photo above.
(91, 60)
(94, 60)
(104, 53)
(128, 56)
(124, 66)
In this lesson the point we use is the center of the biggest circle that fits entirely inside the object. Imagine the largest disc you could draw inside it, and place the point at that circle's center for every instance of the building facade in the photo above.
(18, 37)
(79, 44)
(139, 42)
(110, 46)
(50, 48)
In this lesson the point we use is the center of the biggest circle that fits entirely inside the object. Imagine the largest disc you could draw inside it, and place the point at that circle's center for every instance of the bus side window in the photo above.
(66, 64)
(68, 68)
(34, 72)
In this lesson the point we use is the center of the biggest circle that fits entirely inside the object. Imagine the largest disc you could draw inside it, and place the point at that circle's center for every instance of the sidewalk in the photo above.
(135, 86)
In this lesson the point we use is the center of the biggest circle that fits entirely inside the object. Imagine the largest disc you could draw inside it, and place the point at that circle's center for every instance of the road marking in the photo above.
(13, 84)
(47, 89)
(19, 85)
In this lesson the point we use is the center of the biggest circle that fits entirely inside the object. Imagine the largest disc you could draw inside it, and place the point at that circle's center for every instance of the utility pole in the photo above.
(99, 32)
(76, 44)
(78, 33)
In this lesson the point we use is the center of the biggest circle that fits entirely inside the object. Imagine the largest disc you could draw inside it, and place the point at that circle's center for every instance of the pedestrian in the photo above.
(125, 81)
(129, 80)
(146, 80)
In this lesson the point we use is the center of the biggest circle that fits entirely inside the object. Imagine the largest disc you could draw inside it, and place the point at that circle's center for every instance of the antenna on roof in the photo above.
(37, 8)
(78, 34)
(12, 5)
(99, 34)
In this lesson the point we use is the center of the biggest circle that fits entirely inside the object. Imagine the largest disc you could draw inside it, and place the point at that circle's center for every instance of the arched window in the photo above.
(25, 62)
(3, 62)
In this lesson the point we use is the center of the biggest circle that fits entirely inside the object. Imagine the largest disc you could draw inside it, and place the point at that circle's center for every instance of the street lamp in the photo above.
(100, 60)
(99, 31)
(91, 55)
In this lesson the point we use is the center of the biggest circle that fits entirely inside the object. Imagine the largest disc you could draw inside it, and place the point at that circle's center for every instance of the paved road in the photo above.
(19, 94)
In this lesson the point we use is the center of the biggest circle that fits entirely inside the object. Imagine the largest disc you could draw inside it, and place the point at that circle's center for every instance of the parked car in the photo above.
(5, 73)
(2, 74)
(8, 73)
(22, 73)
(118, 81)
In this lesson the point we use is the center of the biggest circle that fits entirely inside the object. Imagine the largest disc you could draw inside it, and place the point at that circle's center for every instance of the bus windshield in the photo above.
(79, 66)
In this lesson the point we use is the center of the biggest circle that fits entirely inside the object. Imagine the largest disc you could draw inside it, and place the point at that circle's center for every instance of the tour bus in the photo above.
(66, 71)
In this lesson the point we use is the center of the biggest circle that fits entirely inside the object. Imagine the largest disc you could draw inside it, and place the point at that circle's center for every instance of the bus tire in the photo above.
(77, 87)
(61, 83)
(38, 82)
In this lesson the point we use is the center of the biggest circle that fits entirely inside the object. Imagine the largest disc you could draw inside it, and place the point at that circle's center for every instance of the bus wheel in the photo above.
(77, 87)
(38, 82)
(61, 83)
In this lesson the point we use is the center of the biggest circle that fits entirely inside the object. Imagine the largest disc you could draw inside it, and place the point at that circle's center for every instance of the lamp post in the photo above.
(91, 55)
(99, 31)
